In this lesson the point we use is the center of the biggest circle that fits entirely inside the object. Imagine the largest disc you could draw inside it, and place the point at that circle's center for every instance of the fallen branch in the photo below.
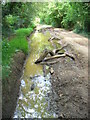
(43, 59)
(45, 53)
(48, 63)
(53, 57)
(70, 55)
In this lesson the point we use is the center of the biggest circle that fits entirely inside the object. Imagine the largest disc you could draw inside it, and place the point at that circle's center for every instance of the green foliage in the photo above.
(23, 32)
(17, 15)
(17, 19)
(69, 15)
(16, 44)
(54, 13)
(10, 19)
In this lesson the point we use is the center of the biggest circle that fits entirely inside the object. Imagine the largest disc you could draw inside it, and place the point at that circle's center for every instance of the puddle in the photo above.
(33, 100)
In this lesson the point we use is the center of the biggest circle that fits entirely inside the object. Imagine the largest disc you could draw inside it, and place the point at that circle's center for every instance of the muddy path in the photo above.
(63, 92)
(70, 78)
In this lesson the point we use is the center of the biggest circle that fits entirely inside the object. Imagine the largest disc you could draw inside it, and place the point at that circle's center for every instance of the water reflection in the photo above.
(33, 100)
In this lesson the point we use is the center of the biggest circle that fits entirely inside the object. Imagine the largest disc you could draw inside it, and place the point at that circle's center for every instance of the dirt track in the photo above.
(70, 78)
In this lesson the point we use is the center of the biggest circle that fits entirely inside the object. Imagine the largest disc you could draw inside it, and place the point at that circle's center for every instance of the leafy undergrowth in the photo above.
(83, 33)
(17, 43)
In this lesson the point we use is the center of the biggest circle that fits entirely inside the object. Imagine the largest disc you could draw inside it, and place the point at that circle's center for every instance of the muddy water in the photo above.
(33, 100)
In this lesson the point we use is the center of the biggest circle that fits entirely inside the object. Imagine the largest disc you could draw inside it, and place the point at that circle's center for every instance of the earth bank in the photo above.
(70, 78)
(12, 85)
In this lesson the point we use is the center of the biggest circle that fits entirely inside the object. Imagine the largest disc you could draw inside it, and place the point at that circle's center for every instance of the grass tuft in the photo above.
(16, 44)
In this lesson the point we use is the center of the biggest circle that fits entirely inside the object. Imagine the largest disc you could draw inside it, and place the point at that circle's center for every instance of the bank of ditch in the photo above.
(69, 80)
(14, 53)
(70, 77)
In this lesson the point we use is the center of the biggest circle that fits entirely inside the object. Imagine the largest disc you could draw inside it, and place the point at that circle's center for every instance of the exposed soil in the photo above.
(69, 98)
(11, 87)
(70, 78)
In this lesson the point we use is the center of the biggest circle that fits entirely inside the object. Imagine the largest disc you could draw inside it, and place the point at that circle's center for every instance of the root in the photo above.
(45, 53)
(43, 58)
(49, 63)
(57, 50)
(53, 57)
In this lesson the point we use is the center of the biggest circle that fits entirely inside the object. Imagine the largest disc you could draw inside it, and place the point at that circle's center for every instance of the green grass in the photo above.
(16, 44)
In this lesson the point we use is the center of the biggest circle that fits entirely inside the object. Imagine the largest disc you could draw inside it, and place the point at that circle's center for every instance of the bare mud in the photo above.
(12, 85)
(70, 78)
